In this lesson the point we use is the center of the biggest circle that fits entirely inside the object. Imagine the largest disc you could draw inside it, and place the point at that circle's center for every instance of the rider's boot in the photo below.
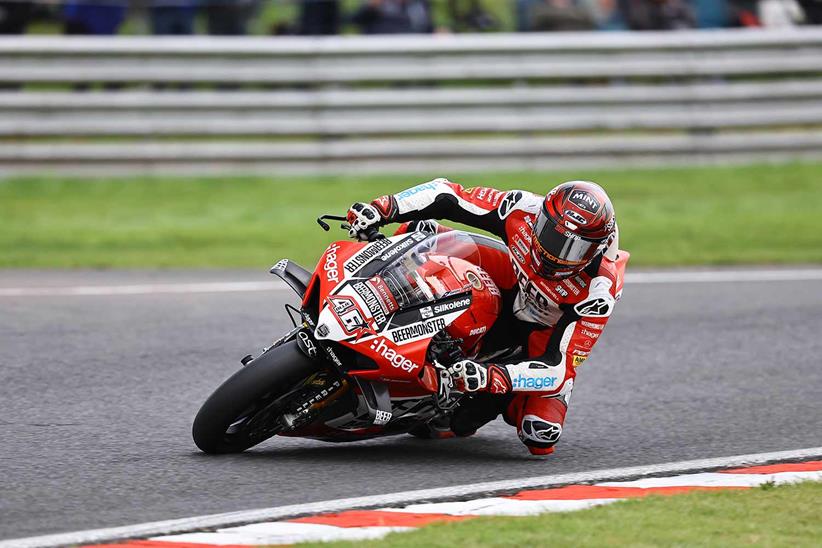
(538, 420)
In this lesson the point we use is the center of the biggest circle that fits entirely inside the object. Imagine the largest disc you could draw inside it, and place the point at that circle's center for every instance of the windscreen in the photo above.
(409, 283)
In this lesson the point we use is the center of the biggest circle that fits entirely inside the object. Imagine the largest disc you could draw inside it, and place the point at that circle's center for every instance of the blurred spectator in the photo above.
(470, 16)
(658, 14)
(93, 17)
(605, 14)
(228, 17)
(14, 16)
(712, 14)
(743, 13)
(523, 14)
(779, 13)
(393, 17)
(561, 15)
(319, 17)
(813, 11)
(176, 18)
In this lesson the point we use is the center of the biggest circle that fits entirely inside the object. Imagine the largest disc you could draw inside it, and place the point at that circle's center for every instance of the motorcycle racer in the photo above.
(559, 271)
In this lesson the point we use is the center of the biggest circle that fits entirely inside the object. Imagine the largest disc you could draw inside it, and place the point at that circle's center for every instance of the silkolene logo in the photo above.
(394, 358)
(536, 383)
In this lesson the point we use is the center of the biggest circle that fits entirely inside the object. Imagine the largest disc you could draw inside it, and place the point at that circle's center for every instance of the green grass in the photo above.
(748, 215)
(776, 516)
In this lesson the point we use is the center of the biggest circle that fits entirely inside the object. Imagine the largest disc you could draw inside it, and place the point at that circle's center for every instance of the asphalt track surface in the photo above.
(97, 394)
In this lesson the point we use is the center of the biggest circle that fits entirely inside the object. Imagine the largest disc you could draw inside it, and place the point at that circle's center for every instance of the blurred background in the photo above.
(331, 17)
(210, 133)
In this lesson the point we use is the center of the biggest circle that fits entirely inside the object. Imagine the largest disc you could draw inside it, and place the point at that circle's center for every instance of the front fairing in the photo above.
(386, 310)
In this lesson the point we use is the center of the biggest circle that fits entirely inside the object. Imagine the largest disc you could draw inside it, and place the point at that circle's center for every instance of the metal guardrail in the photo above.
(408, 103)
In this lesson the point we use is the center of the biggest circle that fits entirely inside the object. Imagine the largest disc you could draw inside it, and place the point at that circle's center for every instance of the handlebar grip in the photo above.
(373, 234)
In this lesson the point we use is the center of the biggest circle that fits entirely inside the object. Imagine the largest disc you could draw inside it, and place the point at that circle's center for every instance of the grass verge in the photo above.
(672, 217)
(765, 516)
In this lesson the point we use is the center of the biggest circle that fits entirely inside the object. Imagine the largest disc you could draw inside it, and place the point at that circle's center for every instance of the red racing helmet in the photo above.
(575, 224)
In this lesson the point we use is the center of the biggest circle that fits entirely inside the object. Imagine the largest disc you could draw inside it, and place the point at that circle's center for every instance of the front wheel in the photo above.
(242, 412)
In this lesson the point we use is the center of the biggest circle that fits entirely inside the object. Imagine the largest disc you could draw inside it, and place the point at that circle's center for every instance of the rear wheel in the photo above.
(244, 410)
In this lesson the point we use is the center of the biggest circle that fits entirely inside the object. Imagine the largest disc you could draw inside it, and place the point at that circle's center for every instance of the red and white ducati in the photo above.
(378, 324)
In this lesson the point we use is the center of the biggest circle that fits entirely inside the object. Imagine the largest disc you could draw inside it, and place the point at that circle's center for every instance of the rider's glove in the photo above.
(363, 217)
(471, 376)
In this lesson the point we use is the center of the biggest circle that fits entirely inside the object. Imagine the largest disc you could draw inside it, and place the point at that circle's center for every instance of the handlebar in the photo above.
(371, 234)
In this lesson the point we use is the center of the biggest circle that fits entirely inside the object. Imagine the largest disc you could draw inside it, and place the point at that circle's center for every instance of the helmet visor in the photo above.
(557, 251)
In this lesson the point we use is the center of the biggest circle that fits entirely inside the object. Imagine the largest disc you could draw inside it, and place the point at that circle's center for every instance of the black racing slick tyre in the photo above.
(225, 422)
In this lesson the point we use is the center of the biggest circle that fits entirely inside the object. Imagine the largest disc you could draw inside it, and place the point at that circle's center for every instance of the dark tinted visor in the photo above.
(561, 249)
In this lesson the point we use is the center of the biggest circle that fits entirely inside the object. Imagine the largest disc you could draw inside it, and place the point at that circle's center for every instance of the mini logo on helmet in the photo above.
(584, 200)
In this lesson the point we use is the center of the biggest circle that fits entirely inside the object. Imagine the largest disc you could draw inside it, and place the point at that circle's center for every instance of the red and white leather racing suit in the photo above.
(547, 328)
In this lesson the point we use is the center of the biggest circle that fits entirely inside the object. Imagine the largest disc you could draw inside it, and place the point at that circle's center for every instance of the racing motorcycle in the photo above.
(379, 325)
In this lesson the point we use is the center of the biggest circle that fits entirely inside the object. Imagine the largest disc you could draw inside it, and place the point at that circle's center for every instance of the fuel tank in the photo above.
(445, 274)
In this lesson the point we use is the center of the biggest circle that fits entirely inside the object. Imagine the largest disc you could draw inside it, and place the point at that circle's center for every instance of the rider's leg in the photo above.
(538, 419)
(477, 411)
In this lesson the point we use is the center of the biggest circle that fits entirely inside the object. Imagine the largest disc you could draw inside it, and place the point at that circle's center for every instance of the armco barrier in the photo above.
(408, 103)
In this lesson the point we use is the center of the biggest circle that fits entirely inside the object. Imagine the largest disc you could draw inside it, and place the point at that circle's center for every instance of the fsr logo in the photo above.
(394, 358)
(332, 269)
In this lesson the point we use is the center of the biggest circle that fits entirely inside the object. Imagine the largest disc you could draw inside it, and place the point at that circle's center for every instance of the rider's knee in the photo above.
(539, 434)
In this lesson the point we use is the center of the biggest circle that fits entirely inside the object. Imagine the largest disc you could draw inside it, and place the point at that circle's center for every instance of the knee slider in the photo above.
(537, 432)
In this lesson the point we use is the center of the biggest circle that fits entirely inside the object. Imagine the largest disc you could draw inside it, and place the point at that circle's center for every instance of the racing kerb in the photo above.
(689, 475)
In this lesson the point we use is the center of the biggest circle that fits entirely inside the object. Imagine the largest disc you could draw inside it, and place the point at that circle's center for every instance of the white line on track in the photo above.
(662, 277)
(408, 497)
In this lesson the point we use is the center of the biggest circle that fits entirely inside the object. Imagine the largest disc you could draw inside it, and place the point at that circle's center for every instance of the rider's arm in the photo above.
(441, 199)
(555, 354)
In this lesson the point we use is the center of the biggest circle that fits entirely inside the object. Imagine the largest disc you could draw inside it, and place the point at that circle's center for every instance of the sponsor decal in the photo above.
(332, 269)
(382, 417)
(371, 301)
(478, 331)
(498, 386)
(507, 205)
(578, 352)
(517, 255)
(369, 252)
(378, 286)
(393, 357)
(405, 194)
(489, 283)
(598, 307)
(536, 383)
(575, 217)
(561, 291)
(521, 244)
(334, 357)
(308, 344)
(474, 280)
(525, 234)
(402, 246)
(418, 330)
(592, 325)
(570, 285)
(530, 292)
(580, 281)
(426, 312)
(383, 204)
(323, 330)
(584, 200)
(578, 360)
(538, 430)
(281, 264)
(453, 305)
(592, 334)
